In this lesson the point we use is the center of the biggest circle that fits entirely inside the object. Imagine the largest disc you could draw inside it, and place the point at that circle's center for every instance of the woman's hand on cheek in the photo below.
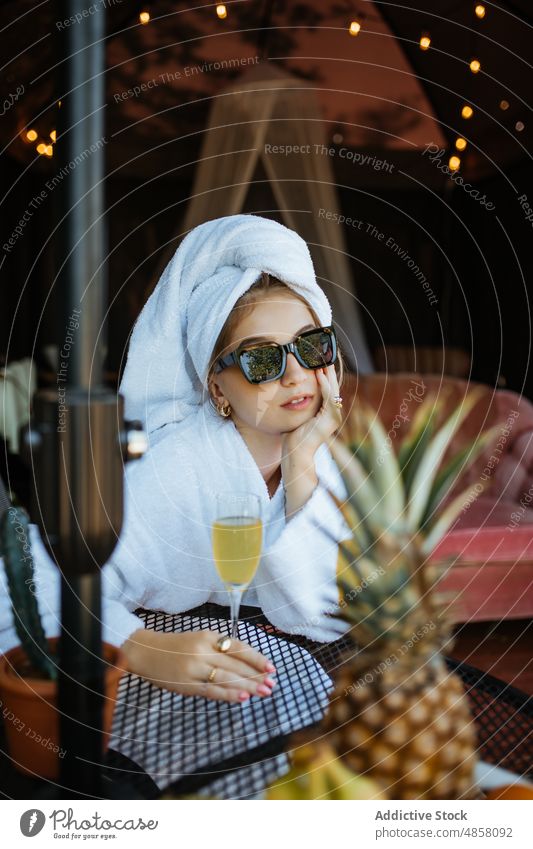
(304, 441)
(299, 446)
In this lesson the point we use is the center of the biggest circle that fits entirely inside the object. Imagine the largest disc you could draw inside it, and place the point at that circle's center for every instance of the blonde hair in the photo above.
(266, 285)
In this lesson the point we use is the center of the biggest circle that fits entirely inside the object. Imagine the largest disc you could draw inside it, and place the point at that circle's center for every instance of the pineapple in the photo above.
(397, 715)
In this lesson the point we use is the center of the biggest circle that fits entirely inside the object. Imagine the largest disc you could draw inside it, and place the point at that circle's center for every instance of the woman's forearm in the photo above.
(139, 650)
(300, 481)
(156, 656)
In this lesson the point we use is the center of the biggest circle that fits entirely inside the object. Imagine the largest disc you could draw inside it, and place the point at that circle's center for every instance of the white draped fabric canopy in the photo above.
(273, 118)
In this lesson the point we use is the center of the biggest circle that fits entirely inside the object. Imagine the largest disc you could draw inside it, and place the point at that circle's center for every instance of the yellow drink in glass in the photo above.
(237, 549)
(237, 537)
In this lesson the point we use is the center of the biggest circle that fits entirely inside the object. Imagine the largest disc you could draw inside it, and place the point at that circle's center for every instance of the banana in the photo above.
(350, 786)
(318, 783)
(317, 773)
(287, 788)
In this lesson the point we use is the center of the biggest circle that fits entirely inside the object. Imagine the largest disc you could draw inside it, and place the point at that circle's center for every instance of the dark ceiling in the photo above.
(376, 90)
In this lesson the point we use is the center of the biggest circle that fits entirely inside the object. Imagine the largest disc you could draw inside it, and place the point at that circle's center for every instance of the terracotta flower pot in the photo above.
(29, 710)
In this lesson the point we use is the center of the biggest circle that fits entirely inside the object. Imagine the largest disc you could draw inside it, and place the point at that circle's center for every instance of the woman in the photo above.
(217, 406)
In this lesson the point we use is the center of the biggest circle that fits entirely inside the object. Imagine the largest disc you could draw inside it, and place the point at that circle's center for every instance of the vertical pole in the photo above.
(81, 252)
(81, 148)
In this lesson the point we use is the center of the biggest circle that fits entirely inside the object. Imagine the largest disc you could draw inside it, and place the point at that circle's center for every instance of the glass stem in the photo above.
(235, 596)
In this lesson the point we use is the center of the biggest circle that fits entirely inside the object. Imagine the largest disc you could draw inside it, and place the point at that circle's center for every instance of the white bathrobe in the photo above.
(163, 560)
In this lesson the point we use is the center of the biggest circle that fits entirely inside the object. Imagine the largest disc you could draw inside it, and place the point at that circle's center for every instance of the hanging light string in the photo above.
(467, 111)
(357, 21)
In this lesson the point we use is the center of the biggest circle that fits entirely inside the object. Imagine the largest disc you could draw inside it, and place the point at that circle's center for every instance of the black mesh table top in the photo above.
(190, 742)
(192, 745)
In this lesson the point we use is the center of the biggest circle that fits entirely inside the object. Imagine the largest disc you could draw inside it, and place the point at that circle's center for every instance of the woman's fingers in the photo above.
(239, 669)
(224, 694)
(330, 415)
(245, 672)
(325, 385)
(333, 381)
(232, 677)
(329, 384)
(334, 391)
(248, 655)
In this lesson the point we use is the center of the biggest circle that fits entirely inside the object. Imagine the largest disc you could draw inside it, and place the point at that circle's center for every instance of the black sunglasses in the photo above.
(313, 349)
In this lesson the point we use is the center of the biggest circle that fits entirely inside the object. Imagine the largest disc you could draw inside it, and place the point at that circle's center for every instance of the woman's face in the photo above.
(278, 318)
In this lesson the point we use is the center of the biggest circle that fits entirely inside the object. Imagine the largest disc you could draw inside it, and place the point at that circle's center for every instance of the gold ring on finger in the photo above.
(224, 644)
(211, 676)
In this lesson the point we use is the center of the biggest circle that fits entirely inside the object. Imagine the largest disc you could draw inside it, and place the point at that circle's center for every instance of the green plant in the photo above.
(15, 548)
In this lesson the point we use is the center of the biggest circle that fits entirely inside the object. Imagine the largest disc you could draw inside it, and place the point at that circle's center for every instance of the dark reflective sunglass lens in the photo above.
(316, 349)
(262, 363)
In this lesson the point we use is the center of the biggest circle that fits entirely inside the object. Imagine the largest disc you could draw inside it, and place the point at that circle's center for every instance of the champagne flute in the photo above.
(237, 535)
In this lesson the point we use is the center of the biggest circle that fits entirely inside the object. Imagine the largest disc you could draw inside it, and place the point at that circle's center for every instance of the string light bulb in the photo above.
(31, 135)
(480, 10)
(144, 17)
(41, 148)
(519, 126)
(222, 12)
(49, 150)
(355, 28)
(425, 42)
(504, 104)
(454, 163)
(53, 135)
(467, 111)
(460, 143)
(475, 66)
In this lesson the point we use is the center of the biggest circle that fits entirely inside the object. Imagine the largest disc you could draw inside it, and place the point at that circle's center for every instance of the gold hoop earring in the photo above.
(222, 410)
(225, 412)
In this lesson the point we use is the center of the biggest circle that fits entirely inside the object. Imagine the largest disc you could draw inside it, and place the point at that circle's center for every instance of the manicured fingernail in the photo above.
(263, 691)
(270, 667)
(243, 697)
(269, 682)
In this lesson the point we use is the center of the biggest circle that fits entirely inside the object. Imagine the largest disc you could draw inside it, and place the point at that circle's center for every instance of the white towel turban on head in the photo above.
(174, 336)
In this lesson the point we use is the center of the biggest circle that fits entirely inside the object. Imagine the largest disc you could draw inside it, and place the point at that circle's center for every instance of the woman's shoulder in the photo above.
(181, 449)
(195, 428)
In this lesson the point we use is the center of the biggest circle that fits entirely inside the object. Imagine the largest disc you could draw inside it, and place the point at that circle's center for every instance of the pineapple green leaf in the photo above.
(352, 517)
(360, 487)
(417, 425)
(385, 469)
(416, 442)
(448, 516)
(459, 463)
(361, 452)
(430, 462)
(350, 575)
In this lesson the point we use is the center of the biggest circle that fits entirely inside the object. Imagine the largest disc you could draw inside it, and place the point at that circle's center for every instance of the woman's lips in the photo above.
(300, 405)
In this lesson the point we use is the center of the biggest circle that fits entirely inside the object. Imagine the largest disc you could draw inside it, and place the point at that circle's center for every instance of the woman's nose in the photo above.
(294, 372)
